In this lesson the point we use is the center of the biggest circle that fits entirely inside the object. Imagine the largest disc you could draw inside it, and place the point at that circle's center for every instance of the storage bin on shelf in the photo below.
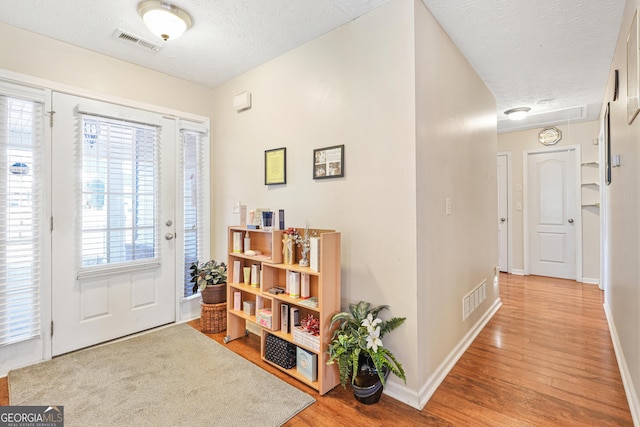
(302, 337)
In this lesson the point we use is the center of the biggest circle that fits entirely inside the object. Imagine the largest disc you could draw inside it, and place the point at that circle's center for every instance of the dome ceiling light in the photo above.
(517, 113)
(163, 19)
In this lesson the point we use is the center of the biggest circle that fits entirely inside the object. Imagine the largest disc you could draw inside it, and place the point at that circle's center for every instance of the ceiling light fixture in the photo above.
(164, 19)
(517, 113)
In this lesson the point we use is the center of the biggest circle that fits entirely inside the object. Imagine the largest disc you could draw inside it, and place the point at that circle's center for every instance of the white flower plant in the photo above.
(360, 332)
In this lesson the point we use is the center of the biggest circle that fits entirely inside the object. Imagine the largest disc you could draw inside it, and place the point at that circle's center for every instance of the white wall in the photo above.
(622, 244)
(67, 65)
(581, 134)
(456, 159)
(353, 86)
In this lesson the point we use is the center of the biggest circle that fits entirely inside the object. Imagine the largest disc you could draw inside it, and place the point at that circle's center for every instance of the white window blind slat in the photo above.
(120, 193)
(21, 142)
(191, 157)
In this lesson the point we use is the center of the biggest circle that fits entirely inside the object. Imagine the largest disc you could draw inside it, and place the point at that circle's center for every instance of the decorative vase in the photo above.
(367, 387)
(288, 254)
(214, 294)
(304, 261)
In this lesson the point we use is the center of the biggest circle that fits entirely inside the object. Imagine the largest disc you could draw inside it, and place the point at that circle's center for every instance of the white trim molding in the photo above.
(434, 381)
(627, 381)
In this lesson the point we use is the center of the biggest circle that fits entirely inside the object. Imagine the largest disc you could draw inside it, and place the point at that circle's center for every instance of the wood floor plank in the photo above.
(545, 359)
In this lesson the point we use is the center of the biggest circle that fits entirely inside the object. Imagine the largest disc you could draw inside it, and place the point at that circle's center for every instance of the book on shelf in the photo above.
(307, 364)
(295, 317)
(294, 285)
(284, 318)
(305, 285)
(309, 302)
(314, 253)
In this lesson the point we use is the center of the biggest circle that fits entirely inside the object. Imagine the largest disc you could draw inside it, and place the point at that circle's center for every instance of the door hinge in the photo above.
(50, 114)
(51, 225)
(52, 328)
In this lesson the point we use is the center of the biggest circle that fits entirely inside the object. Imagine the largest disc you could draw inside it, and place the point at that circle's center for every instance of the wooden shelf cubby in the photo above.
(324, 285)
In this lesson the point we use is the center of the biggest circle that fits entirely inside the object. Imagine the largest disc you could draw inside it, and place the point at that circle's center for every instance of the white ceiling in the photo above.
(552, 56)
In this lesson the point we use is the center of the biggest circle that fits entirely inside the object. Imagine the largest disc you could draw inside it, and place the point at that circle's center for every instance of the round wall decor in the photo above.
(549, 136)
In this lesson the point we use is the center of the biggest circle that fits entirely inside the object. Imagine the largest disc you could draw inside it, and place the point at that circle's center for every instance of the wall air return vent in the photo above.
(130, 38)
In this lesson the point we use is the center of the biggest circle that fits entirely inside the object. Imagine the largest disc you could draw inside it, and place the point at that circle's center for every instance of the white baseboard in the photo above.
(418, 401)
(590, 281)
(627, 381)
(517, 272)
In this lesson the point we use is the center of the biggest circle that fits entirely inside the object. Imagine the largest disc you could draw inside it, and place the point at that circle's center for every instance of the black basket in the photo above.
(280, 352)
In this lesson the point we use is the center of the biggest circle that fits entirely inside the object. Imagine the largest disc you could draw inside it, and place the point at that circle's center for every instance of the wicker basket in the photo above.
(213, 318)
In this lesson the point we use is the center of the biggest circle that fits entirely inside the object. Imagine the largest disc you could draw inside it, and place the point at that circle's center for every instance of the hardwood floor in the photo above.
(545, 359)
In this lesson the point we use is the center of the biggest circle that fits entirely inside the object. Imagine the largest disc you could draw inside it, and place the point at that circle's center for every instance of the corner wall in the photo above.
(418, 125)
(352, 86)
(456, 160)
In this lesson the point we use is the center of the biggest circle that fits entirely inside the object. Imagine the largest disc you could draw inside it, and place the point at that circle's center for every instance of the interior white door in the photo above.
(552, 219)
(122, 298)
(503, 213)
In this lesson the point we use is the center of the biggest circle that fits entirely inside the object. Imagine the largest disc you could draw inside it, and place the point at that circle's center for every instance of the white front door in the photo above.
(113, 269)
(503, 212)
(552, 215)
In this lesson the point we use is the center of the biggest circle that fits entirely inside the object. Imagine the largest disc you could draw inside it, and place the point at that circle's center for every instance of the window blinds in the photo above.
(191, 157)
(119, 194)
(21, 144)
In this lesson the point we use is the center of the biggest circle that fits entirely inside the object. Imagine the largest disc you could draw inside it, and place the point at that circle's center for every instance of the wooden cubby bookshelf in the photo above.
(324, 285)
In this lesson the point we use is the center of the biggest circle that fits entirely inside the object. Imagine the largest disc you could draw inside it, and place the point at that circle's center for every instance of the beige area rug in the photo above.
(170, 377)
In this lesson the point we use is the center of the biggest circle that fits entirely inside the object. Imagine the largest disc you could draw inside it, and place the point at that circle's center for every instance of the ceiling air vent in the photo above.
(130, 38)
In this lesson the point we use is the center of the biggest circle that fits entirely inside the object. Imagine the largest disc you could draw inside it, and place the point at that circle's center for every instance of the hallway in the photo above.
(546, 358)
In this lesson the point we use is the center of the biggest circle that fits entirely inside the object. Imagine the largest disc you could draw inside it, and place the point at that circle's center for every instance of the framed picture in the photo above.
(328, 162)
(275, 166)
(633, 80)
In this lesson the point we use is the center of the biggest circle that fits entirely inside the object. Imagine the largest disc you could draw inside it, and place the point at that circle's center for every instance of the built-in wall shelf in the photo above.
(591, 186)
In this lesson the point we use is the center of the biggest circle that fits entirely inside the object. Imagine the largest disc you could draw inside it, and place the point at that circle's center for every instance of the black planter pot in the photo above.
(367, 387)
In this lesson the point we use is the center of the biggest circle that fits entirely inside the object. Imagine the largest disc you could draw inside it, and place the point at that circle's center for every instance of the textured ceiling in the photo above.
(552, 56)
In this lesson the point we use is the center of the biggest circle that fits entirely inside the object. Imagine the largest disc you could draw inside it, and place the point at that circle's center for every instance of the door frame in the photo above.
(577, 217)
(186, 309)
(509, 210)
(37, 348)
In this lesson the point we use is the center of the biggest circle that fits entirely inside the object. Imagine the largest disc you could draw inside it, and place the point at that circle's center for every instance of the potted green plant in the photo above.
(210, 278)
(356, 347)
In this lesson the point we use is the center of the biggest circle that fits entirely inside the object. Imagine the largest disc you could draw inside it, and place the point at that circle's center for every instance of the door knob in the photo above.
(168, 236)
(503, 219)
(570, 220)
